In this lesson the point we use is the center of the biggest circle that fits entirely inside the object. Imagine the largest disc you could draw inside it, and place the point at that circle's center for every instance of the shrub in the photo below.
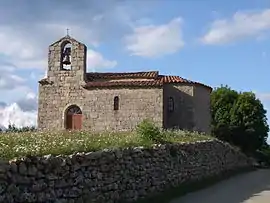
(263, 156)
(149, 131)
(13, 128)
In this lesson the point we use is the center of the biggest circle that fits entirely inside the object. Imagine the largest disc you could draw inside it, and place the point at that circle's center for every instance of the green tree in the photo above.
(13, 128)
(239, 118)
(222, 101)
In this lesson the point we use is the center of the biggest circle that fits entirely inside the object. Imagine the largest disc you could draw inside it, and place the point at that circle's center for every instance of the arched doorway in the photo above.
(73, 118)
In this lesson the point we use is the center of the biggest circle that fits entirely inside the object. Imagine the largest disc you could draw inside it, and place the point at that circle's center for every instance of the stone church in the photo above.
(71, 98)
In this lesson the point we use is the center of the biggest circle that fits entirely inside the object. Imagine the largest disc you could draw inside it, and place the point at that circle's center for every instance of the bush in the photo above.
(13, 128)
(149, 131)
(263, 156)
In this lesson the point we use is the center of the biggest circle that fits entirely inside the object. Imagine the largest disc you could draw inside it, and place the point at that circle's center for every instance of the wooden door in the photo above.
(69, 122)
(74, 122)
(73, 118)
(77, 121)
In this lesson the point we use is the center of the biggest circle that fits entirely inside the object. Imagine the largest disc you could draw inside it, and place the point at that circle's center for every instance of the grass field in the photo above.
(15, 145)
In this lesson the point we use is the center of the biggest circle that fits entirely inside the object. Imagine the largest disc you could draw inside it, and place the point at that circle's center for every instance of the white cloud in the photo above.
(155, 40)
(29, 103)
(241, 25)
(21, 50)
(25, 51)
(20, 113)
(10, 81)
(96, 61)
(8, 78)
(13, 114)
(16, 94)
(24, 39)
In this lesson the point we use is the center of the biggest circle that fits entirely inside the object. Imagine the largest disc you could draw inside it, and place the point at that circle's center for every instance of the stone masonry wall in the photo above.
(182, 117)
(64, 88)
(97, 107)
(202, 114)
(114, 176)
(61, 84)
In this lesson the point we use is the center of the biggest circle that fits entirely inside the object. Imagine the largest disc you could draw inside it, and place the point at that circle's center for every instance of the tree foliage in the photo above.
(13, 128)
(239, 118)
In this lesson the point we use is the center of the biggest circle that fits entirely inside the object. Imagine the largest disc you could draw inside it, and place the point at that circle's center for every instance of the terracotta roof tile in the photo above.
(96, 80)
(147, 83)
(146, 75)
(172, 79)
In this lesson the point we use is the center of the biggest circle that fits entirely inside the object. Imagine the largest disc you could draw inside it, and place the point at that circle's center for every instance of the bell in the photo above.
(66, 60)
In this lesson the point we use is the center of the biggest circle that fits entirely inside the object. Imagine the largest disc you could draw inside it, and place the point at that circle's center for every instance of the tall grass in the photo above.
(14, 144)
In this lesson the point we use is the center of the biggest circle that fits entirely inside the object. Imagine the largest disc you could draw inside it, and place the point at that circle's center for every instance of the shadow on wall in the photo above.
(253, 186)
(181, 116)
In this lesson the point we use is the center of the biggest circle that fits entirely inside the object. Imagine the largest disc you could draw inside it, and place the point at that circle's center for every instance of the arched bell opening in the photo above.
(66, 49)
(73, 118)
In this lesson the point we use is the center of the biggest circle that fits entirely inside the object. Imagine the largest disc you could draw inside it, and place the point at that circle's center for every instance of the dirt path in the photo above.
(253, 187)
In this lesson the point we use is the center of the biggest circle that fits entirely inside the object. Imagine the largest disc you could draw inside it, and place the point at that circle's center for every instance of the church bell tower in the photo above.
(67, 61)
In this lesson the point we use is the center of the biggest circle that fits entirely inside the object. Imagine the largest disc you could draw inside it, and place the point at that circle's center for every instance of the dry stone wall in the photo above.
(108, 176)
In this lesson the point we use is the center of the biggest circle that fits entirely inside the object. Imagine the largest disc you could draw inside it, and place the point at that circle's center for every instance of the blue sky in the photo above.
(213, 42)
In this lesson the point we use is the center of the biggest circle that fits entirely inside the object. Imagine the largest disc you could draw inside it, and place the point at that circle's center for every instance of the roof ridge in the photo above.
(118, 75)
(95, 79)
(68, 38)
(131, 72)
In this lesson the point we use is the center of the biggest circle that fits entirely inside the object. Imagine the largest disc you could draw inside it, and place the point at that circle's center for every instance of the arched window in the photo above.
(170, 104)
(116, 103)
(74, 109)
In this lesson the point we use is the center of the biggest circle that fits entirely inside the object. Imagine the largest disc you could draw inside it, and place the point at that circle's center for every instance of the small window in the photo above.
(170, 104)
(116, 103)
(74, 109)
